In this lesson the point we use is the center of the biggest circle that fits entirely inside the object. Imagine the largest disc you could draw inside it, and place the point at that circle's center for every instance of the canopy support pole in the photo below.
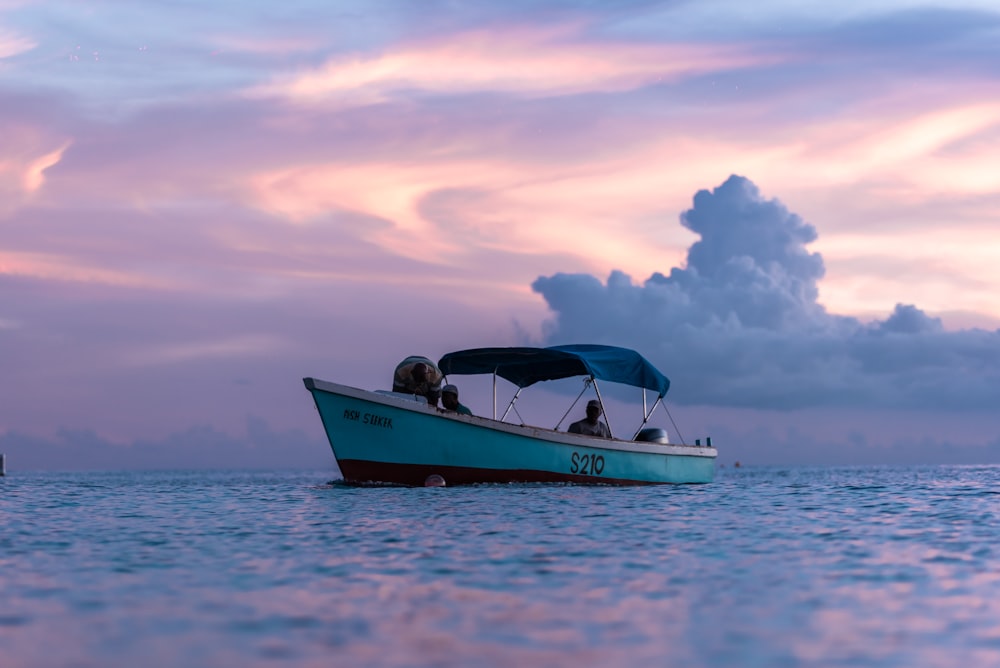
(604, 412)
(511, 405)
(586, 384)
(673, 423)
(648, 414)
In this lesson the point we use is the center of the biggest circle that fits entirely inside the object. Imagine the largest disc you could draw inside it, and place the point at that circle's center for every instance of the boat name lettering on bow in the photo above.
(586, 464)
(377, 420)
(368, 418)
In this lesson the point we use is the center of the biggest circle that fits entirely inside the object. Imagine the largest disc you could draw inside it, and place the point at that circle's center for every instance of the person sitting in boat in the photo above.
(592, 425)
(449, 399)
(420, 376)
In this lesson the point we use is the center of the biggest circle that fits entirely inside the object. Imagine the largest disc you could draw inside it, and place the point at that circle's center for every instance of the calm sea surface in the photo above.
(763, 567)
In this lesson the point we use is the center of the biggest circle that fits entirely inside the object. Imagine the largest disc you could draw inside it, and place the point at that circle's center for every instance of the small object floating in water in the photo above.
(736, 465)
(434, 480)
(3, 464)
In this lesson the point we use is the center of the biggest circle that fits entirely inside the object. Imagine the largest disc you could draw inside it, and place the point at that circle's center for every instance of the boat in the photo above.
(384, 437)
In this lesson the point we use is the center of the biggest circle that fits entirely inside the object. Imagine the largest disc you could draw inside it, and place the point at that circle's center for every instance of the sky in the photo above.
(791, 208)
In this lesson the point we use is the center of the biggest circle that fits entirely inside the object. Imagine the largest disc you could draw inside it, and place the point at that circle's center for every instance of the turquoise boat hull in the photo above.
(382, 438)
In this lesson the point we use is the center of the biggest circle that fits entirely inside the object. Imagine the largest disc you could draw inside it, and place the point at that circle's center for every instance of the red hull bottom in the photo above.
(362, 472)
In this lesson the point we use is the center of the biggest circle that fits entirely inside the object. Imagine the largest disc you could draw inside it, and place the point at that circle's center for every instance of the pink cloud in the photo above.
(601, 198)
(34, 173)
(53, 267)
(27, 150)
(12, 44)
(527, 61)
(909, 147)
(240, 345)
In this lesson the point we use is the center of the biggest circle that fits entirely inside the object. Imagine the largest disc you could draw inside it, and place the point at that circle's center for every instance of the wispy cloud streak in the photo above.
(533, 62)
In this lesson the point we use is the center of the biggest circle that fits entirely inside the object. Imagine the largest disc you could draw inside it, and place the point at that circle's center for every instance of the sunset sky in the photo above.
(791, 208)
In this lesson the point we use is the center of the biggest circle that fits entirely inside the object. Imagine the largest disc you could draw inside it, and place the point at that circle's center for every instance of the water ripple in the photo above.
(819, 567)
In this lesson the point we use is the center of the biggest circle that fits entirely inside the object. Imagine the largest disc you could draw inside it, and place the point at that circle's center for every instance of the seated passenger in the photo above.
(449, 399)
(591, 425)
(419, 376)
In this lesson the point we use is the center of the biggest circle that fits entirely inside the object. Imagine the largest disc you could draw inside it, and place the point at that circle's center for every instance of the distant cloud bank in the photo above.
(261, 447)
(741, 325)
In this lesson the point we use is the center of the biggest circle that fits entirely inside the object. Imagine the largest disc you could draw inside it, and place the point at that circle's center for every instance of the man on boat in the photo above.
(449, 399)
(592, 424)
(420, 376)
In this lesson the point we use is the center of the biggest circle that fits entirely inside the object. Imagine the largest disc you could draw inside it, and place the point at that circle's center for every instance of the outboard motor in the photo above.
(653, 435)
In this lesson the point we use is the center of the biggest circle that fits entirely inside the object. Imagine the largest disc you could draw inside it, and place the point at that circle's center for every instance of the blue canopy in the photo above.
(526, 366)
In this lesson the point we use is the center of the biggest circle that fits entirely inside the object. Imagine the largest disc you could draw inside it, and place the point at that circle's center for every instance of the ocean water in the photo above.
(763, 567)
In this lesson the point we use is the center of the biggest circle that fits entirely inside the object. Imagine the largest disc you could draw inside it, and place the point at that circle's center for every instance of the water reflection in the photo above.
(833, 567)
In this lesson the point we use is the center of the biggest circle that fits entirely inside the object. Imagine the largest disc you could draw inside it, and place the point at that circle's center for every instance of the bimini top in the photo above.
(526, 366)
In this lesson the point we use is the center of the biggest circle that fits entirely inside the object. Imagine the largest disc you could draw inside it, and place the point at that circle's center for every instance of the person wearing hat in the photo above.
(592, 424)
(449, 399)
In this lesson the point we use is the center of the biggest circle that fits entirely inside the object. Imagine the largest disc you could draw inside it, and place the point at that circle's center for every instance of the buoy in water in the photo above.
(434, 480)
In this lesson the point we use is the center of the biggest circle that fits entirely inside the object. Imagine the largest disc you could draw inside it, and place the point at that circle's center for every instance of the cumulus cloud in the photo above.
(741, 323)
